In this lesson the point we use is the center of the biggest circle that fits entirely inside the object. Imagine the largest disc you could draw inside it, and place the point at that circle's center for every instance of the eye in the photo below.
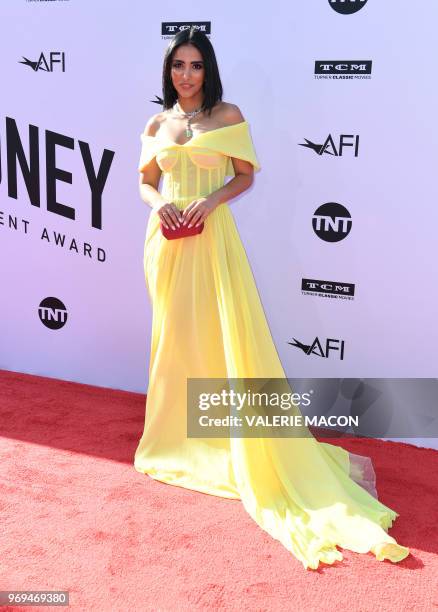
(176, 65)
(197, 66)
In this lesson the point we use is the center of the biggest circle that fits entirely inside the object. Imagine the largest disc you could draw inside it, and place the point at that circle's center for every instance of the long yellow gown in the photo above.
(208, 322)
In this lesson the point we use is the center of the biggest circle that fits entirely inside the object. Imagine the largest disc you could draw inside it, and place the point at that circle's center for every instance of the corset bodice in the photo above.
(199, 166)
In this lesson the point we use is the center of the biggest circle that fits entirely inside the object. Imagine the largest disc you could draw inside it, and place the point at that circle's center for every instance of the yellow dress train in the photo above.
(208, 322)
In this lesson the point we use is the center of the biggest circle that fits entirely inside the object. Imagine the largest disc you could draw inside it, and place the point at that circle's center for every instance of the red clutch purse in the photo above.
(181, 232)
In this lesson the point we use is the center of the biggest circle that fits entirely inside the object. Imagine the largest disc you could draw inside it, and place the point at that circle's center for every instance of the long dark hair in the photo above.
(211, 86)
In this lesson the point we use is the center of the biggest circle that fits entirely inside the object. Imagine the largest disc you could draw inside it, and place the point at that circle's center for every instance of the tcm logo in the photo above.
(331, 222)
(170, 28)
(349, 142)
(52, 313)
(343, 67)
(347, 7)
(330, 289)
(55, 60)
(332, 345)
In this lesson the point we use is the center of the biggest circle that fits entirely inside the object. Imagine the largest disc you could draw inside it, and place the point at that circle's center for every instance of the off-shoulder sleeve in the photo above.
(149, 148)
(233, 141)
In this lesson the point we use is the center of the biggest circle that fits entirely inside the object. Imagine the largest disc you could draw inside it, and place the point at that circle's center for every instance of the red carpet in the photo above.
(76, 516)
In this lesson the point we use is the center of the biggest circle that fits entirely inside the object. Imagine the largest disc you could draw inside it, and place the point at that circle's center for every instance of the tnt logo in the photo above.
(331, 222)
(347, 7)
(55, 60)
(52, 313)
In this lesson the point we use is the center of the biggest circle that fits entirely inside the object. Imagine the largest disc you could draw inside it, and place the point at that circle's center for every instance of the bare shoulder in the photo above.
(229, 114)
(153, 124)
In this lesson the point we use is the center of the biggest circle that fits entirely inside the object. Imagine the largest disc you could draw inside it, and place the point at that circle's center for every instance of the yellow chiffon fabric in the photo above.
(208, 322)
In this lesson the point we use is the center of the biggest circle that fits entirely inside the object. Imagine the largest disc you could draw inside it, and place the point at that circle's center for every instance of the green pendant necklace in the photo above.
(189, 116)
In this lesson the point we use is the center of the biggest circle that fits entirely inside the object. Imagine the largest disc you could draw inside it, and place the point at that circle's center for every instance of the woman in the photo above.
(208, 322)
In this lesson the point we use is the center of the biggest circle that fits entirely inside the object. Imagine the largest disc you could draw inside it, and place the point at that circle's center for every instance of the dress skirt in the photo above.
(208, 322)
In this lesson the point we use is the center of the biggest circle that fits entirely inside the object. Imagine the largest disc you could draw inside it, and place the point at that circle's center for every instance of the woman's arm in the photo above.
(244, 177)
(148, 185)
(243, 170)
(151, 174)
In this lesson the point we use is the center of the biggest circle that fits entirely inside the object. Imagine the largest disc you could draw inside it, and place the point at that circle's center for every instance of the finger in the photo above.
(201, 220)
(189, 216)
(174, 217)
(168, 219)
(195, 218)
(204, 214)
(187, 211)
(185, 216)
(171, 217)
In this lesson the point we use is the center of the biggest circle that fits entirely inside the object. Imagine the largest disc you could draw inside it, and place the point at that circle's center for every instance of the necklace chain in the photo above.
(189, 116)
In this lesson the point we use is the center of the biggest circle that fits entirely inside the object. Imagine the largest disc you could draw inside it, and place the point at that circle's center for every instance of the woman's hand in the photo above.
(197, 211)
(169, 214)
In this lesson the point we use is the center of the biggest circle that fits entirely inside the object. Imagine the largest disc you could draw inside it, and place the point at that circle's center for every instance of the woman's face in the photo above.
(187, 71)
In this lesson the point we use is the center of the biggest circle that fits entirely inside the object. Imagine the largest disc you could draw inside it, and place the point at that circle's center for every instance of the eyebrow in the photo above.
(175, 59)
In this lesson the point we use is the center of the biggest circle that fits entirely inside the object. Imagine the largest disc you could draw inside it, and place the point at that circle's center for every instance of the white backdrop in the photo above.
(94, 93)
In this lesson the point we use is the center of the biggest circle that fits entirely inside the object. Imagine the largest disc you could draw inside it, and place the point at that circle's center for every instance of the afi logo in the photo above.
(52, 313)
(347, 7)
(331, 222)
(316, 348)
(328, 147)
(56, 59)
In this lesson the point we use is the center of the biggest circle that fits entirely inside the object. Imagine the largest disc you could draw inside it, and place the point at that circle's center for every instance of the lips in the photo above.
(186, 85)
